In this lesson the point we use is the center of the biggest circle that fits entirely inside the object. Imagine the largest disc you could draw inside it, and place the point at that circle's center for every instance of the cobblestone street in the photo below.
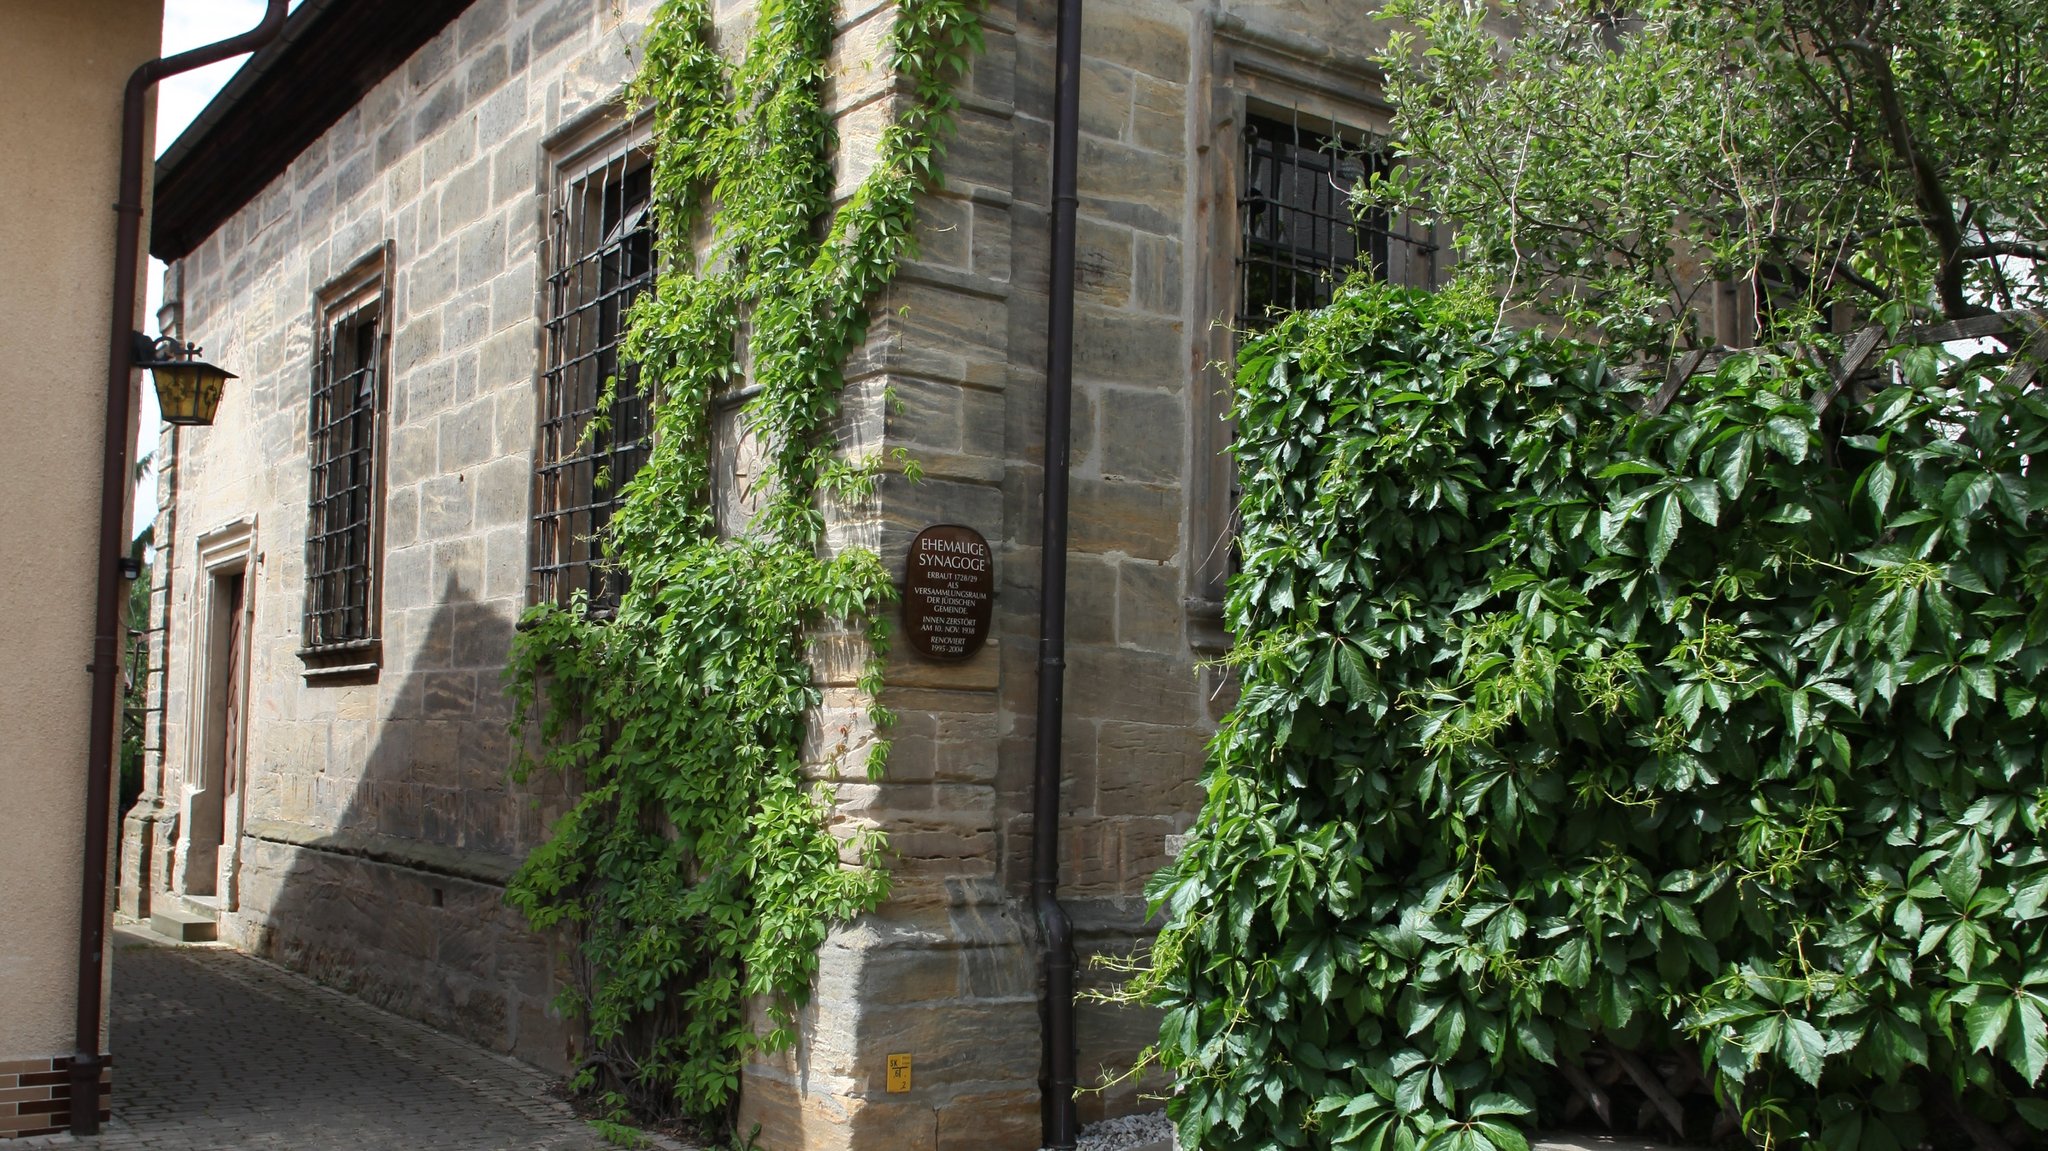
(213, 1049)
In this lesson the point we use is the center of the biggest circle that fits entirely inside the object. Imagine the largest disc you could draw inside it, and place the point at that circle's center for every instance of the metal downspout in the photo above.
(1060, 1052)
(115, 483)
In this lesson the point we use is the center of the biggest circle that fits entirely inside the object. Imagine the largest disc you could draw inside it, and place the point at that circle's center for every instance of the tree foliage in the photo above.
(1710, 737)
(694, 864)
(1616, 166)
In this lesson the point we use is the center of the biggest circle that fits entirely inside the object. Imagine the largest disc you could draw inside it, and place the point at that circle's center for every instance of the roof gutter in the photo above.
(86, 1065)
(1060, 1053)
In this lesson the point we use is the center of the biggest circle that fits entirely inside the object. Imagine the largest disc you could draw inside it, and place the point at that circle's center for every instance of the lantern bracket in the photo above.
(149, 353)
(187, 387)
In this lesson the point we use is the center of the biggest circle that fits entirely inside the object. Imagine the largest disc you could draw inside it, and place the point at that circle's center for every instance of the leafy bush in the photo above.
(1708, 737)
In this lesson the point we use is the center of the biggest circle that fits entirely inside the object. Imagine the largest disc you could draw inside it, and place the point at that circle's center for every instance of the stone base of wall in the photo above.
(35, 1095)
(946, 976)
(137, 882)
(440, 948)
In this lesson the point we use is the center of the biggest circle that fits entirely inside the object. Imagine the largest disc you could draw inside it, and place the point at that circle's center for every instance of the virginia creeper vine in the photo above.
(1702, 745)
(694, 864)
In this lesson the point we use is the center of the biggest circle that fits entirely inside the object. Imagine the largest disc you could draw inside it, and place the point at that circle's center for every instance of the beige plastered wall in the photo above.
(62, 71)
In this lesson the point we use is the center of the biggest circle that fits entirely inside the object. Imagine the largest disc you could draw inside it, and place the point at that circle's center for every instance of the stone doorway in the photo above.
(208, 870)
(204, 861)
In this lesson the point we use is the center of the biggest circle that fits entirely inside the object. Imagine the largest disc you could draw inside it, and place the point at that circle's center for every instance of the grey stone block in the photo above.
(1143, 435)
(566, 20)
(502, 488)
(447, 507)
(184, 926)
(465, 196)
(480, 25)
(486, 71)
(465, 437)
(482, 248)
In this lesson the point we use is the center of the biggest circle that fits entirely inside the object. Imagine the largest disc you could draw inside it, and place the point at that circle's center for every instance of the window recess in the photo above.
(1295, 235)
(345, 437)
(1299, 235)
(594, 424)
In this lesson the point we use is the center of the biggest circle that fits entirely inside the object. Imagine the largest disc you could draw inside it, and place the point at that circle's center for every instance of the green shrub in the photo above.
(1708, 736)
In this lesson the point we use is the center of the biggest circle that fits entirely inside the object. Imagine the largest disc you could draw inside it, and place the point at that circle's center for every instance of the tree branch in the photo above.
(1937, 210)
(1990, 248)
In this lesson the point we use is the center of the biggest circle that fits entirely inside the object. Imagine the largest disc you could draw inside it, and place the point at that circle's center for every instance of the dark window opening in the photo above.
(594, 419)
(341, 512)
(1299, 235)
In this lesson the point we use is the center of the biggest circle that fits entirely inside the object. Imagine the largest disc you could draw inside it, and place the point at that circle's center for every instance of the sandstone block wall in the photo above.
(378, 824)
(948, 971)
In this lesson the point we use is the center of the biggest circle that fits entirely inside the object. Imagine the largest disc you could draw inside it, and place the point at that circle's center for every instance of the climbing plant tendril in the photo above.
(694, 867)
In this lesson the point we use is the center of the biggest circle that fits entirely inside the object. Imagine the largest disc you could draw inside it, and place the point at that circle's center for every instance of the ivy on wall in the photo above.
(1704, 744)
(694, 866)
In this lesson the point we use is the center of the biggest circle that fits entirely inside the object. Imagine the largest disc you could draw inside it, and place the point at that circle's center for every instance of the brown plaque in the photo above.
(949, 591)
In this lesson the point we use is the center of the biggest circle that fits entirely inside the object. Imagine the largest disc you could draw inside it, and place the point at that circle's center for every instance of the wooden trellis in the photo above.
(2025, 330)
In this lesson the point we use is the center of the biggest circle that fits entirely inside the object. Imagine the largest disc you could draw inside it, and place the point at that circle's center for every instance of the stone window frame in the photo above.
(1252, 71)
(605, 136)
(364, 287)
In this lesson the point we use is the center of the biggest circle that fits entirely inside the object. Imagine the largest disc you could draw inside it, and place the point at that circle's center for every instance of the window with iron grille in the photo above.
(1297, 237)
(593, 424)
(1298, 234)
(341, 519)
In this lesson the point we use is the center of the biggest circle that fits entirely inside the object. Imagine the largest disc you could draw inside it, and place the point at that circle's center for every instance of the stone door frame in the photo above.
(223, 554)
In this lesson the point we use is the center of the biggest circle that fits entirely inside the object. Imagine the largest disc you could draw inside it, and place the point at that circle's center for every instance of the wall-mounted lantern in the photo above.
(187, 388)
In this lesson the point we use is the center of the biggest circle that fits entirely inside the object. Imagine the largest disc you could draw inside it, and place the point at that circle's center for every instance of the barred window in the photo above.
(1294, 239)
(594, 422)
(341, 521)
(1298, 234)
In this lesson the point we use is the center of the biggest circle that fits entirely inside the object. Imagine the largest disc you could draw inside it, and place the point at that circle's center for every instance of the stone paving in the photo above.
(213, 1049)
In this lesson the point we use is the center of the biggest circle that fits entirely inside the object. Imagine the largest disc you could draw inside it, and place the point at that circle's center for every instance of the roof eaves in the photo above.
(331, 54)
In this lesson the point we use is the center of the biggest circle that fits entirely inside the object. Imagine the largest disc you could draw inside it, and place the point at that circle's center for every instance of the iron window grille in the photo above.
(1300, 237)
(594, 421)
(342, 508)
(1298, 233)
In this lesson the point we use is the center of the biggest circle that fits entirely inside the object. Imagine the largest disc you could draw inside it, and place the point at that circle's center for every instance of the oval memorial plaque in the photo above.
(949, 584)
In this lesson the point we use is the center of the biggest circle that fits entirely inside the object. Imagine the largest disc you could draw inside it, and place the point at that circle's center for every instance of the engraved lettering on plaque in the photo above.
(948, 591)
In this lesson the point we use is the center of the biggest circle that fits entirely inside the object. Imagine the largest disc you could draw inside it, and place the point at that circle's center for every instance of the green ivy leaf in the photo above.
(1986, 1019)
(2028, 1046)
(1734, 470)
(1878, 483)
(1701, 499)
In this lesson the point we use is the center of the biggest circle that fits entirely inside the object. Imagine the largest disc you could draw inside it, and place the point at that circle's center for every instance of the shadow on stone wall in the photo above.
(377, 865)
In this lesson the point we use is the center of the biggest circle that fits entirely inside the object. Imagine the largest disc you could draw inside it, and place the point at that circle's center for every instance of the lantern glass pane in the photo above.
(188, 393)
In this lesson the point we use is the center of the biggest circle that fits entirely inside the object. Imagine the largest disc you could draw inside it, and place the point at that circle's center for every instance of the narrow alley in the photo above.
(214, 1049)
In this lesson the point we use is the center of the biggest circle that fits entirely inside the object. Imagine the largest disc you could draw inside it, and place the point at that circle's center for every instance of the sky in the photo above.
(179, 100)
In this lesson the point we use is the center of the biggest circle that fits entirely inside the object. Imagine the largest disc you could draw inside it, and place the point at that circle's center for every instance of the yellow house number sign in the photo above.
(899, 1073)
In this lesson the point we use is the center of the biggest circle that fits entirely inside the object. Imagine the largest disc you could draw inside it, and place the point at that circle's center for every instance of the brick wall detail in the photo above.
(35, 1095)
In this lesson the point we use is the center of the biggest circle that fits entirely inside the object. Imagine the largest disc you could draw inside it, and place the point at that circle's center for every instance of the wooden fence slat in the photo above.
(1862, 346)
(1865, 346)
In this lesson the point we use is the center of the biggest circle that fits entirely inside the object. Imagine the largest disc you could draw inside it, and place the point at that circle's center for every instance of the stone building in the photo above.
(416, 262)
(62, 71)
